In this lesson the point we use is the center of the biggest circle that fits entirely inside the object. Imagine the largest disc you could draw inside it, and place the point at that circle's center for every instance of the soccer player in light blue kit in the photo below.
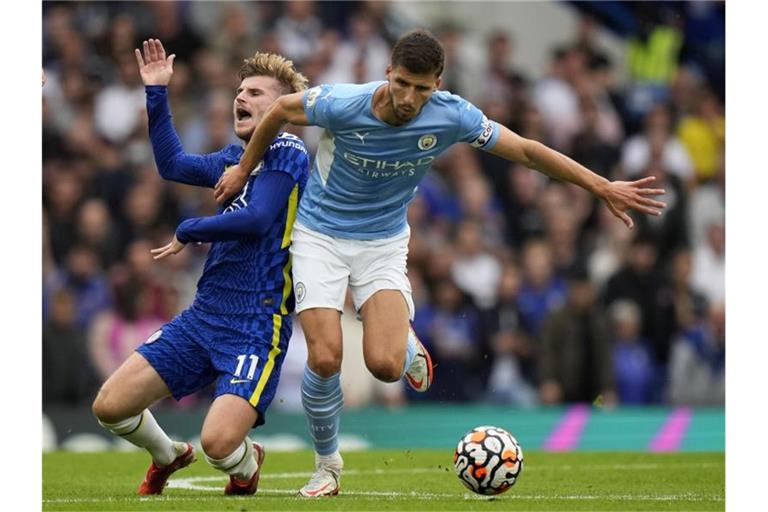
(380, 139)
(237, 330)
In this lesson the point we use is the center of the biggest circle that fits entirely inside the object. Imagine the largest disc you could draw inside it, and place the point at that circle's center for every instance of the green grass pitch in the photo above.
(398, 480)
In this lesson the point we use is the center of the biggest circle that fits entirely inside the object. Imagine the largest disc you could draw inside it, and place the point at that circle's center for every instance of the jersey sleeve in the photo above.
(172, 162)
(270, 195)
(287, 154)
(319, 105)
(475, 128)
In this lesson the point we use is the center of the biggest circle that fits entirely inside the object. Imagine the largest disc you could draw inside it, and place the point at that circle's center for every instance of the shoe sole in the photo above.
(334, 492)
(327, 494)
(259, 449)
(188, 457)
(430, 369)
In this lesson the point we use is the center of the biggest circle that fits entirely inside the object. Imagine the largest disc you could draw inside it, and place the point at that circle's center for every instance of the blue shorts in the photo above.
(243, 355)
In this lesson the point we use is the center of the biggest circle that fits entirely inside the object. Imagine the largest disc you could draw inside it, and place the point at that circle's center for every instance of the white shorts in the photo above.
(324, 265)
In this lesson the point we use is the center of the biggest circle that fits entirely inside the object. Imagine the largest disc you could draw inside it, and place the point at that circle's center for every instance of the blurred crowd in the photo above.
(528, 291)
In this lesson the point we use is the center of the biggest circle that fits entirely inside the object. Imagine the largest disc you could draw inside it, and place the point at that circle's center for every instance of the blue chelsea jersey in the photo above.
(253, 275)
(366, 171)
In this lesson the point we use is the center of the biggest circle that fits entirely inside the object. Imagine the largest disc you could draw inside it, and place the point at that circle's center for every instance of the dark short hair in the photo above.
(419, 52)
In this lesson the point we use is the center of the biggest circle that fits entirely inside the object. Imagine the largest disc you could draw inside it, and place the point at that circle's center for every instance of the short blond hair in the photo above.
(276, 66)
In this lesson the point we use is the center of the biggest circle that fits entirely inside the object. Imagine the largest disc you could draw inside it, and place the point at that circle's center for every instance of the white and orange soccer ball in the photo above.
(488, 460)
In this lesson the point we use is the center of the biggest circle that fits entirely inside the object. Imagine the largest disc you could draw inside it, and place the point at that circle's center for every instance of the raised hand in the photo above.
(173, 247)
(622, 196)
(229, 184)
(155, 68)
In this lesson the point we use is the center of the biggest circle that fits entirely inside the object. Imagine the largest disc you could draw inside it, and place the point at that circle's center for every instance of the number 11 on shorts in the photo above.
(251, 369)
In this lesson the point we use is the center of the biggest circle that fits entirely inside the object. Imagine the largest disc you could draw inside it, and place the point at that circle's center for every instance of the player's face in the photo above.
(254, 96)
(409, 91)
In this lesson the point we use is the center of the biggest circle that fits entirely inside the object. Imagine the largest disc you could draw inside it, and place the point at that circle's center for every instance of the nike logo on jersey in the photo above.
(361, 136)
(238, 381)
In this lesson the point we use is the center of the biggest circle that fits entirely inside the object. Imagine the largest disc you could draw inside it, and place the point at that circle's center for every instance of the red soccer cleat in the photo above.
(157, 477)
(239, 487)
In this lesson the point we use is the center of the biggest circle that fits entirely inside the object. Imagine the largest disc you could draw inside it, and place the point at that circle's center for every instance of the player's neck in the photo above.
(383, 108)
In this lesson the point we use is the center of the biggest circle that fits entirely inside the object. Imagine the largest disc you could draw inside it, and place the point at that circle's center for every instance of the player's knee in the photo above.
(386, 369)
(219, 444)
(325, 364)
(105, 408)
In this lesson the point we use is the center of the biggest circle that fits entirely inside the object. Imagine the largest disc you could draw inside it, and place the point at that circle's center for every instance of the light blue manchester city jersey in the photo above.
(366, 171)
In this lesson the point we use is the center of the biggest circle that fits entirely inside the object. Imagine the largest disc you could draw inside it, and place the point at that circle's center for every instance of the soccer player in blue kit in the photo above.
(380, 139)
(237, 330)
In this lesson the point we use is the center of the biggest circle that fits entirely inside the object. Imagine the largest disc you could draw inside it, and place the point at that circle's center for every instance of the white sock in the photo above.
(240, 463)
(333, 459)
(143, 431)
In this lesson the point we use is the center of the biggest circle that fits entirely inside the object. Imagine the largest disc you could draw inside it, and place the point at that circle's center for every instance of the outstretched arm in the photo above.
(286, 109)
(619, 196)
(270, 195)
(172, 162)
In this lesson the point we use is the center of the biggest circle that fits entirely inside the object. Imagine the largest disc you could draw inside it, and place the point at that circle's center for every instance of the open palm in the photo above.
(154, 67)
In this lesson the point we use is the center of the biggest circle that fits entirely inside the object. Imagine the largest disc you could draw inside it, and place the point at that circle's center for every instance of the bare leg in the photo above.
(385, 318)
(226, 444)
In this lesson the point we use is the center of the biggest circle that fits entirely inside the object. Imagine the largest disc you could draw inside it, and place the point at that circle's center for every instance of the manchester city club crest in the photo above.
(301, 291)
(427, 142)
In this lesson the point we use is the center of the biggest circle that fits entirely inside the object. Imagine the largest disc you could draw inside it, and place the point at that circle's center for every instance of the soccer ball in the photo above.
(488, 460)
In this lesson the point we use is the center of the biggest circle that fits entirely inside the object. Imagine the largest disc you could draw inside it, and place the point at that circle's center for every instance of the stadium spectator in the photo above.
(703, 134)
(542, 291)
(118, 107)
(298, 30)
(83, 277)
(478, 204)
(638, 280)
(706, 206)
(677, 305)
(609, 249)
(555, 96)
(589, 145)
(96, 230)
(502, 81)
(708, 271)
(456, 348)
(512, 370)
(64, 350)
(652, 56)
(524, 220)
(474, 269)
(638, 152)
(115, 334)
(697, 361)
(361, 56)
(633, 363)
(669, 231)
(575, 354)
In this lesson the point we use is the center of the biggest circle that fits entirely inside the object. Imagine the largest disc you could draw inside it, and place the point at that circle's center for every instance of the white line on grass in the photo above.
(396, 495)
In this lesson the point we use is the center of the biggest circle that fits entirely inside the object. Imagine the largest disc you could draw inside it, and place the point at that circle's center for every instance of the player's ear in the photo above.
(438, 82)
(388, 71)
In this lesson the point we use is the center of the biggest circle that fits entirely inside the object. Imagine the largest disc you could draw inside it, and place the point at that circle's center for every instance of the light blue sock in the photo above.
(323, 401)
(410, 351)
